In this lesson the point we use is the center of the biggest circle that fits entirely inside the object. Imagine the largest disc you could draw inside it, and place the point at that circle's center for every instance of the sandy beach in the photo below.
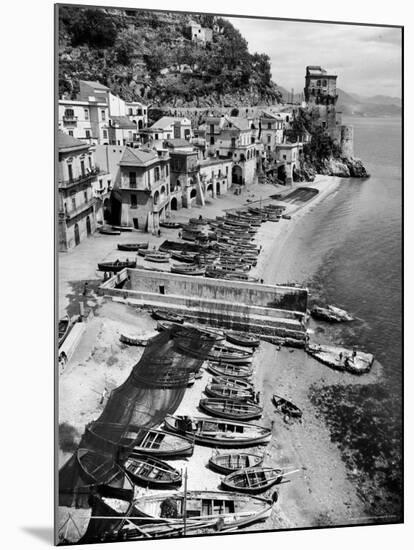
(323, 492)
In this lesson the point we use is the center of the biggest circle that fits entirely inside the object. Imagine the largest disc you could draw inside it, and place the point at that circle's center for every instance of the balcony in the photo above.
(69, 214)
(67, 184)
(70, 120)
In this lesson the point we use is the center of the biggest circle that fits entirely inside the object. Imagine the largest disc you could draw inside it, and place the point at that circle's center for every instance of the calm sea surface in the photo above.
(353, 252)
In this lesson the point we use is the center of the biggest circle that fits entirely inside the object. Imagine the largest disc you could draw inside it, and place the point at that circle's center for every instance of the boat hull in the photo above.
(231, 409)
(232, 462)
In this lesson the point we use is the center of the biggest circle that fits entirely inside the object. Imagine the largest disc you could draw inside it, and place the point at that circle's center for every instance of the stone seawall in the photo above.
(275, 311)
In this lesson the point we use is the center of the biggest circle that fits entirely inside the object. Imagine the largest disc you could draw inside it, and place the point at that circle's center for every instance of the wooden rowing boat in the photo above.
(188, 269)
(134, 340)
(137, 440)
(219, 433)
(187, 257)
(286, 407)
(223, 369)
(163, 315)
(229, 354)
(157, 257)
(233, 409)
(171, 225)
(116, 266)
(231, 382)
(100, 470)
(242, 339)
(228, 392)
(226, 463)
(109, 231)
(132, 247)
(253, 480)
(233, 510)
(122, 228)
(151, 472)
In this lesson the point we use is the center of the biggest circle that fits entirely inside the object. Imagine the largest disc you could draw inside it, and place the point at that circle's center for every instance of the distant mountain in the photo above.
(375, 106)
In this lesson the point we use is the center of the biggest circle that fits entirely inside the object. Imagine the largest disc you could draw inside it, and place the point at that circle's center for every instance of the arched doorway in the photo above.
(218, 190)
(156, 197)
(236, 175)
(174, 204)
(281, 173)
(77, 237)
(210, 190)
(193, 194)
(139, 124)
(88, 226)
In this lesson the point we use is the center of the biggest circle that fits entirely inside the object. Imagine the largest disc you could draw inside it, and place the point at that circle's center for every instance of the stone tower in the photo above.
(347, 141)
(320, 87)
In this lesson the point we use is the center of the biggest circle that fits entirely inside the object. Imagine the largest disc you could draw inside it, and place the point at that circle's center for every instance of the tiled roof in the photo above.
(240, 122)
(165, 121)
(67, 142)
(137, 157)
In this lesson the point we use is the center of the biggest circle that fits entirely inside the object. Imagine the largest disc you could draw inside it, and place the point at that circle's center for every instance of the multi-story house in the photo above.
(107, 158)
(141, 197)
(169, 127)
(185, 174)
(121, 131)
(233, 138)
(215, 175)
(84, 120)
(77, 173)
(271, 132)
(137, 113)
(287, 161)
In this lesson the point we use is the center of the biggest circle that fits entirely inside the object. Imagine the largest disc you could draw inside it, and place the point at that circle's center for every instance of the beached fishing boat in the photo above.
(235, 371)
(116, 266)
(230, 392)
(201, 507)
(157, 257)
(164, 315)
(194, 270)
(63, 329)
(231, 382)
(226, 463)
(100, 470)
(218, 433)
(187, 257)
(132, 247)
(233, 409)
(109, 231)
(136, 440)
(151, 472)
(171, 225)
(122, 228)
(228, 354)
(242, 339)
(286, 407)
(253, 480)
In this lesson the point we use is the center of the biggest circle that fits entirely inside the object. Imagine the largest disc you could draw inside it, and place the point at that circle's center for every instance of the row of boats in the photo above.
(220, 248)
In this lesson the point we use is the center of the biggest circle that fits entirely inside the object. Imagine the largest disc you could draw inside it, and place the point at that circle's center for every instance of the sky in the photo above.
(367, 60)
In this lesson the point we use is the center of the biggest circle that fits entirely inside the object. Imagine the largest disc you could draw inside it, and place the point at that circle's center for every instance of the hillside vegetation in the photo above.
(148, 56)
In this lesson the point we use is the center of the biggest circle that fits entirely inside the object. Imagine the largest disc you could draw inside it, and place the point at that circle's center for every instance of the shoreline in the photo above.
(321, 493)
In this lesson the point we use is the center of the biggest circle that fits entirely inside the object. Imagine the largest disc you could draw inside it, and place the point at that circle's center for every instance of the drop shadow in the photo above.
(45, 534)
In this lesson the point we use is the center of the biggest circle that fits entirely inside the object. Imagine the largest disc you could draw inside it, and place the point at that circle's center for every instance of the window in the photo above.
(100, 183)
(156, 136)
(324, 83)
(166, 169)
(86, 111)
(284, 157)
(69, 113)
(82, 164)
(139, 112)
(157, 173)
(145, 111)
(70, 172)
(85, 196)
(132, 179)
(269, 139)
(73, 203)
(71, 133)
(227, 170)
(103, 114)
(130, 111)
(318, 83)
(88, 134)
(90, 163)
(133, 201)
(211, 140)
(269, 125)
(105, 134)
